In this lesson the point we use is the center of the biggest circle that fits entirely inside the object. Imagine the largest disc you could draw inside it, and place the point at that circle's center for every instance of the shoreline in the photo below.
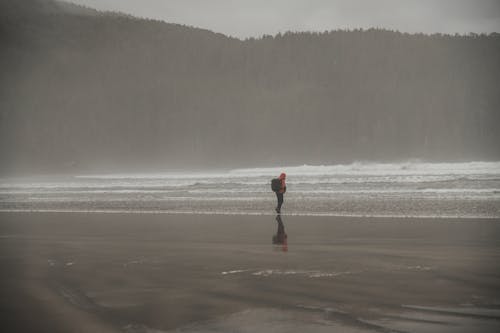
(232, 213)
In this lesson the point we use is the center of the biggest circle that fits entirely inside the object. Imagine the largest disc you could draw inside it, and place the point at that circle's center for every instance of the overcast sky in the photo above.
(247, 18)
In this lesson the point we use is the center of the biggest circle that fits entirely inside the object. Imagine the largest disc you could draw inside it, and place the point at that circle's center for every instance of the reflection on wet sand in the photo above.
(217, 273)
(280, 240)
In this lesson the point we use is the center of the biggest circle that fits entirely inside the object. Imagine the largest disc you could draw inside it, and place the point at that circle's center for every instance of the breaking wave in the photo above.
(358, 189)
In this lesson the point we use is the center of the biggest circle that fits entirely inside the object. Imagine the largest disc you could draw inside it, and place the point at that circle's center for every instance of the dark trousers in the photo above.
(279, 196)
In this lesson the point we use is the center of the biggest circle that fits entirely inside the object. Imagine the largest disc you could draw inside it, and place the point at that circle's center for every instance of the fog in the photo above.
(92, 91)
(139, 141)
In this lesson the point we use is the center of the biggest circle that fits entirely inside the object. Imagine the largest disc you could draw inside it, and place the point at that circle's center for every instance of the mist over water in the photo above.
(137, 94)
(360, 189)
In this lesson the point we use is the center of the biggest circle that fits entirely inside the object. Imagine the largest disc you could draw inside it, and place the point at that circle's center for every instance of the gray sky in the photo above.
(246, 18)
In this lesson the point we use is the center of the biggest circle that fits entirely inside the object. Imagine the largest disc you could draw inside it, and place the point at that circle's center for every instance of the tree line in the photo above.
(83, 90)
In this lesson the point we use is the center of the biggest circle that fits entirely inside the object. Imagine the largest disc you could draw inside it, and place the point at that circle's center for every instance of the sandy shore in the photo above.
(63, 272)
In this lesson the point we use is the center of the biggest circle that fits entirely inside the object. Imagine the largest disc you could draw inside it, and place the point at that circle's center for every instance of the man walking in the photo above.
(280, 191)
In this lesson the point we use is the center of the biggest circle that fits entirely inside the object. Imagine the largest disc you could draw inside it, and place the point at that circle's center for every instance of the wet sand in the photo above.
(76, 272)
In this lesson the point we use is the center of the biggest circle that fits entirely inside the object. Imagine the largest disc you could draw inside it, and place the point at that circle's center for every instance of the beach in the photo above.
(147, 147)
(95, 272)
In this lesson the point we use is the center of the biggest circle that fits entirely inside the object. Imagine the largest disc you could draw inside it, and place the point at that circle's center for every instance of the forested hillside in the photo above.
(89, 91)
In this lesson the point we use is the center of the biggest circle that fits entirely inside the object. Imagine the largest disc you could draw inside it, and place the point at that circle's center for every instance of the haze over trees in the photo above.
(82, 90)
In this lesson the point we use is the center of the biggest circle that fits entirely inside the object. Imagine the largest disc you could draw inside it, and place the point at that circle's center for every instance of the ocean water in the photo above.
(468, 190)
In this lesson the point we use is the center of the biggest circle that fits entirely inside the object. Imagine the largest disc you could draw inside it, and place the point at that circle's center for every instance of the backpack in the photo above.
(276, 184)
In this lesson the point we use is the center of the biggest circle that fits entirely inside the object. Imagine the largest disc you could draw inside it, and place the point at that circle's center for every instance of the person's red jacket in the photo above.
(283, 183)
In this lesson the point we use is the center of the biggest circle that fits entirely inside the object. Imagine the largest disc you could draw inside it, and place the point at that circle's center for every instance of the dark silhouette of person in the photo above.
(279, 194)
(281, 238)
